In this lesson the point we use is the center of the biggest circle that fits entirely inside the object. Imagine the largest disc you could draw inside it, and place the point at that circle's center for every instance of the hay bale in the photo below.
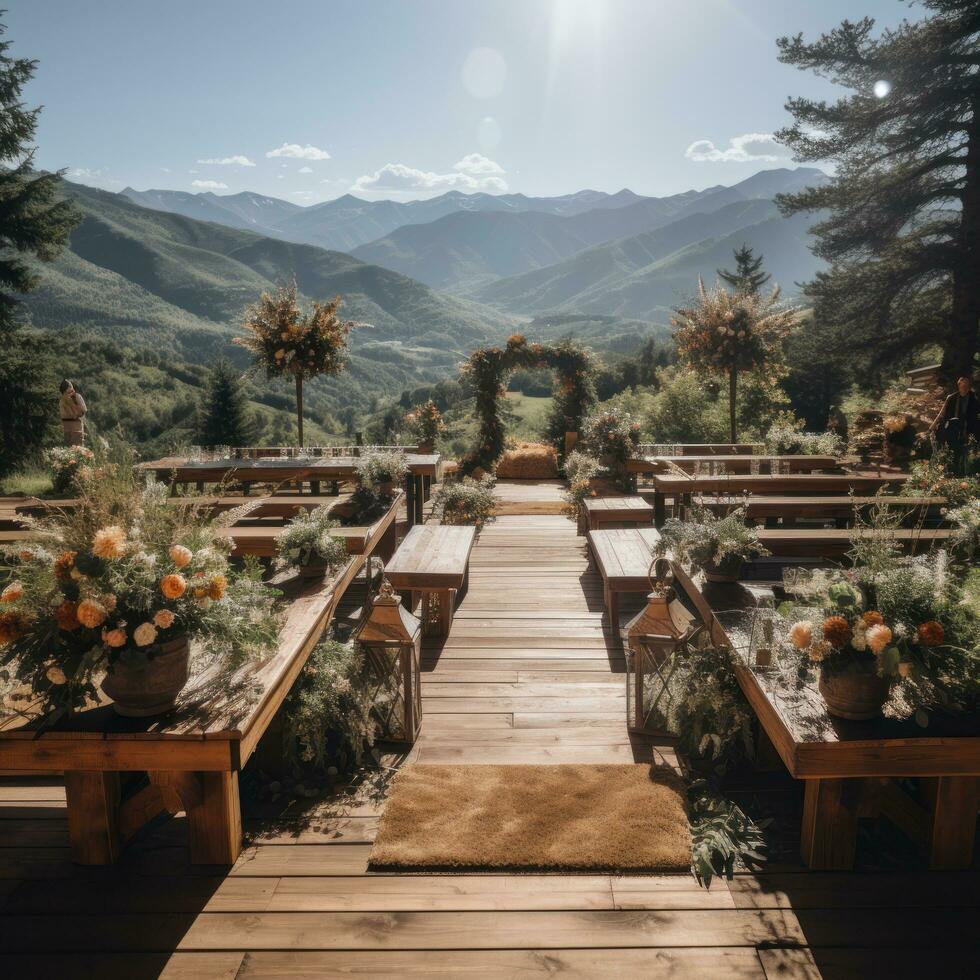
(529, 461)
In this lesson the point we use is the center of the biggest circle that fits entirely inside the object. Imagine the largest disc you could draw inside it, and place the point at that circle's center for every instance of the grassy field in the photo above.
(531, 415)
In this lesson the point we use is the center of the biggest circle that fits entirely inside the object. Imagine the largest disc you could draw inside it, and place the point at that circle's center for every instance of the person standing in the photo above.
(72, 407)
(957, 422)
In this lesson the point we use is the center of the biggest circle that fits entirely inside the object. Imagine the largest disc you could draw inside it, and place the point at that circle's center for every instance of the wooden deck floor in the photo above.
(526, 675)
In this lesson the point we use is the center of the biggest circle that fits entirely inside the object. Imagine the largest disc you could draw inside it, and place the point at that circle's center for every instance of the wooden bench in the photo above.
(191, 756)
(850, 768)
(734, 464)
(839, 509)
(836, 542)
(617, 512)
(433, 564)
(622, 557)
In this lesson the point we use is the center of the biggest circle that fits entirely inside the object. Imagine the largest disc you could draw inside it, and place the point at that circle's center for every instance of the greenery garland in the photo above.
(574, 392)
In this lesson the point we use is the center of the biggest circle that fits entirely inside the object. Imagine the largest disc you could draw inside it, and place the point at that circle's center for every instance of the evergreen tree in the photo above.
(900, 222)
(224, 419)
(33, 221)
(748, 276)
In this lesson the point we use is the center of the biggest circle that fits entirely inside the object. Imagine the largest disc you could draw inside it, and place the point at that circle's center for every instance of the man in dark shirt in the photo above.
(957, 423)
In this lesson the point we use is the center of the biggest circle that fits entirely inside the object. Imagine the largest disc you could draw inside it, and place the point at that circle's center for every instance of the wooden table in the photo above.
(433, 562)
(684, 488)
(191, 755)
(733, 463)
(622, 557)
(422, 470)
(709, 448)
(849, 767)
(617, 511)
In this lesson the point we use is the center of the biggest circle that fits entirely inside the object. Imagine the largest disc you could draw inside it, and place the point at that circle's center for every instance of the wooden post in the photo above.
(571, 440)
(954, 821)
(829, 832)
(215, 825)
(299, 407)
(93, 802)
(410, 498)
(659, 508)
(419, 500)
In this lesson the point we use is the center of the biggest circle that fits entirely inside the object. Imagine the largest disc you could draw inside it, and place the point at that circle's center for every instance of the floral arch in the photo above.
(574, 392)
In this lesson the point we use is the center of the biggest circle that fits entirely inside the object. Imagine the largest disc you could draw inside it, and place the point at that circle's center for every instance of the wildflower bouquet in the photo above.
(307, 543)
(69, 464)
(580, 469)
(786, 440)
(381, 470)
(930, 478)
(112, 583)
(917, 645)
(613, 434)
(426, 422)
(467, 501)
(715, 545)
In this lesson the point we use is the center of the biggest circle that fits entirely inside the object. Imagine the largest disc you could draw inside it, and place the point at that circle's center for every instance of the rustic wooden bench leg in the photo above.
(829, 834)
(954, 821)
(426, 487)
(419, 501)
(215, 825)
(612, 608)
(447, 601)
(659, 508)
(387, 544)
(410, 499)
(93, 803)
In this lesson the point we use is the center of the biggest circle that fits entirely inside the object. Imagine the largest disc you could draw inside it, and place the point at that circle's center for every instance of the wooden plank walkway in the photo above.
(526, 675)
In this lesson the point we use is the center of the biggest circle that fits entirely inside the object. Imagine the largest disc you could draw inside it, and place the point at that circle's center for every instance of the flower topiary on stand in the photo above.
(112, 591)
(426, 423)
(286, 342)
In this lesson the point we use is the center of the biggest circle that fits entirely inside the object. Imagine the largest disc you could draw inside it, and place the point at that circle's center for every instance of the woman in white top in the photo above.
(72, 407)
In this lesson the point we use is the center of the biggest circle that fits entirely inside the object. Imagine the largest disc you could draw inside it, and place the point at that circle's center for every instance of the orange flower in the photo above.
(163, 619)
(12, 592)
(91, 613)
(180, 555)
(219, 585)
(63, 565)
(837, 631)
(109, 542)
(173, 586)
(115, 638)
(931, 633)
(12, 626)
(66, 616)
(878, 638)
(872, 618)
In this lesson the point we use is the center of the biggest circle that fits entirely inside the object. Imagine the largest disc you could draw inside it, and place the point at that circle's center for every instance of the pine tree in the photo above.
(224, 419)
(748, 276)
(33, 221)
(901, 216)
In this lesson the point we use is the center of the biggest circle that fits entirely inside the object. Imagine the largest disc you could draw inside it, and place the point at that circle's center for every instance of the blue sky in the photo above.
(310, 99)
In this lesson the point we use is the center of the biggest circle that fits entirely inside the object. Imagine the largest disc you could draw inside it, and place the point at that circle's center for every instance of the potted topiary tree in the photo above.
(426, 422)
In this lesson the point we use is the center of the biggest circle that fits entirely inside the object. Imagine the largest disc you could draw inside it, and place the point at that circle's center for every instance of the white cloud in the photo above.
(98, 177)
(305, 170)
(741, 149)
(238, 160)
(298, 152)
(166, 170)
(399, 178)
(477, 164)
(305, 195)
(209, 185)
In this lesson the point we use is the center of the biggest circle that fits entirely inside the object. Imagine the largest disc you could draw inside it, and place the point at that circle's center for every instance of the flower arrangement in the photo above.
(307, 542)
(784, 439)
(105, 584)
(580, 470)
(69, 464)
(715, 545)
(380, 469)
(611, 434)
(467, 501)
(426, 422)
(915, 642)
(328, 718)
(966, 521)
(285, 342)
(930, 478)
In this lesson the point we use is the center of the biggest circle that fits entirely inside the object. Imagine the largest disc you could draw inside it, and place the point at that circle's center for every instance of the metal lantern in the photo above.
(390, 640)
(652, 640)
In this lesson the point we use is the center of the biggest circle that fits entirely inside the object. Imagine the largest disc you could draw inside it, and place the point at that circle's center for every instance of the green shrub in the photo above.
(307, 541)
(467, 501)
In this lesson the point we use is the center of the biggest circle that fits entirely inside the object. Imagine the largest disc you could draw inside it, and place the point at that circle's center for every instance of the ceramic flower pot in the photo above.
(426, 448)
(143, 686)
(729, 570)
(315, 569)
(856, 694)
(387, 489)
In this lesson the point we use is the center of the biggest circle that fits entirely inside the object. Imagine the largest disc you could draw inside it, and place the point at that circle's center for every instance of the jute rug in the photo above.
(568, 818)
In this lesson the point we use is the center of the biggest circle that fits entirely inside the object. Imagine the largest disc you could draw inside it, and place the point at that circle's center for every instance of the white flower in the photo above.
(145, 634)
